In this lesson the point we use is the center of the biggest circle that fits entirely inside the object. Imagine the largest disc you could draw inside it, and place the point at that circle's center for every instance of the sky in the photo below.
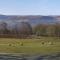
(30, 7)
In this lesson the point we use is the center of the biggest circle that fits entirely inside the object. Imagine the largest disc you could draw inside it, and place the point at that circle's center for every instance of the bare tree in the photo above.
(23, 29)
(3, 28)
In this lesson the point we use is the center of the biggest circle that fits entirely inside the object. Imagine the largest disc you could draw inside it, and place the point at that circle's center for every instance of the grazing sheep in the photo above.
(10, 44)
(50, 43)
(21, 44)
(43, 43)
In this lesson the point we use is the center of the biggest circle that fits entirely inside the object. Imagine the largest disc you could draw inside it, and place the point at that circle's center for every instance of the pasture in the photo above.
(44, 45)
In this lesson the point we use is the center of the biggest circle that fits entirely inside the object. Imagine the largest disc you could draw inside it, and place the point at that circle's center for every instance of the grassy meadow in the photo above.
(43, 45)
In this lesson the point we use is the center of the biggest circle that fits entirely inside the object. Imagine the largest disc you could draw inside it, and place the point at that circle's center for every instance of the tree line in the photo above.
(47, 30)
(20, 30)
(24, 29)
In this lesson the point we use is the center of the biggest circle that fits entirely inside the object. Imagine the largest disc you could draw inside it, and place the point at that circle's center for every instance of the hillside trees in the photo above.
(23, 29)
(20, 29)
(3, 28)
(57, 30)
(51, 30)
(47, 30)
(40, 29)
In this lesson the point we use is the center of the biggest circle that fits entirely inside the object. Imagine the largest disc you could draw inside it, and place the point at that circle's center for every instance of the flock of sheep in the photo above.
(49, 43)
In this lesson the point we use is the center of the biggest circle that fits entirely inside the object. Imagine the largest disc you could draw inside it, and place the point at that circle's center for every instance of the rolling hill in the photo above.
(32, 19)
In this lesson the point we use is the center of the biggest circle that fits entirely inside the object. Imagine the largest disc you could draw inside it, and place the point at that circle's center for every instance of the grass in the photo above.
(30, 46)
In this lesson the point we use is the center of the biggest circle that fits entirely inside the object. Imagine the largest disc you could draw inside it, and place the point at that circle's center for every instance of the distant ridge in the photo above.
(18, 17)
(33, 19)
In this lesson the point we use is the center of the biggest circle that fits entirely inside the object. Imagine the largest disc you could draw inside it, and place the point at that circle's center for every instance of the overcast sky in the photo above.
(30, 7)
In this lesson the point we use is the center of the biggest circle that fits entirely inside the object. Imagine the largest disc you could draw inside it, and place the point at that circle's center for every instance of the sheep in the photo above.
(50, 43)
(21, 44)
(10, 44)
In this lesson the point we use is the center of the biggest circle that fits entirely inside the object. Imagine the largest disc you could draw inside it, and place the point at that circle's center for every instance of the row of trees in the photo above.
(24, 29)
(21, 30)
(47, 30)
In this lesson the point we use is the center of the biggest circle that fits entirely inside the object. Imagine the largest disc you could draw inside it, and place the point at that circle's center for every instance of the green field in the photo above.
(43, 45)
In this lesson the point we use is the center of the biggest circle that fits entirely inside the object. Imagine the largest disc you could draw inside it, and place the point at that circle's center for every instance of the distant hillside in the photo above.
(32, 19)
